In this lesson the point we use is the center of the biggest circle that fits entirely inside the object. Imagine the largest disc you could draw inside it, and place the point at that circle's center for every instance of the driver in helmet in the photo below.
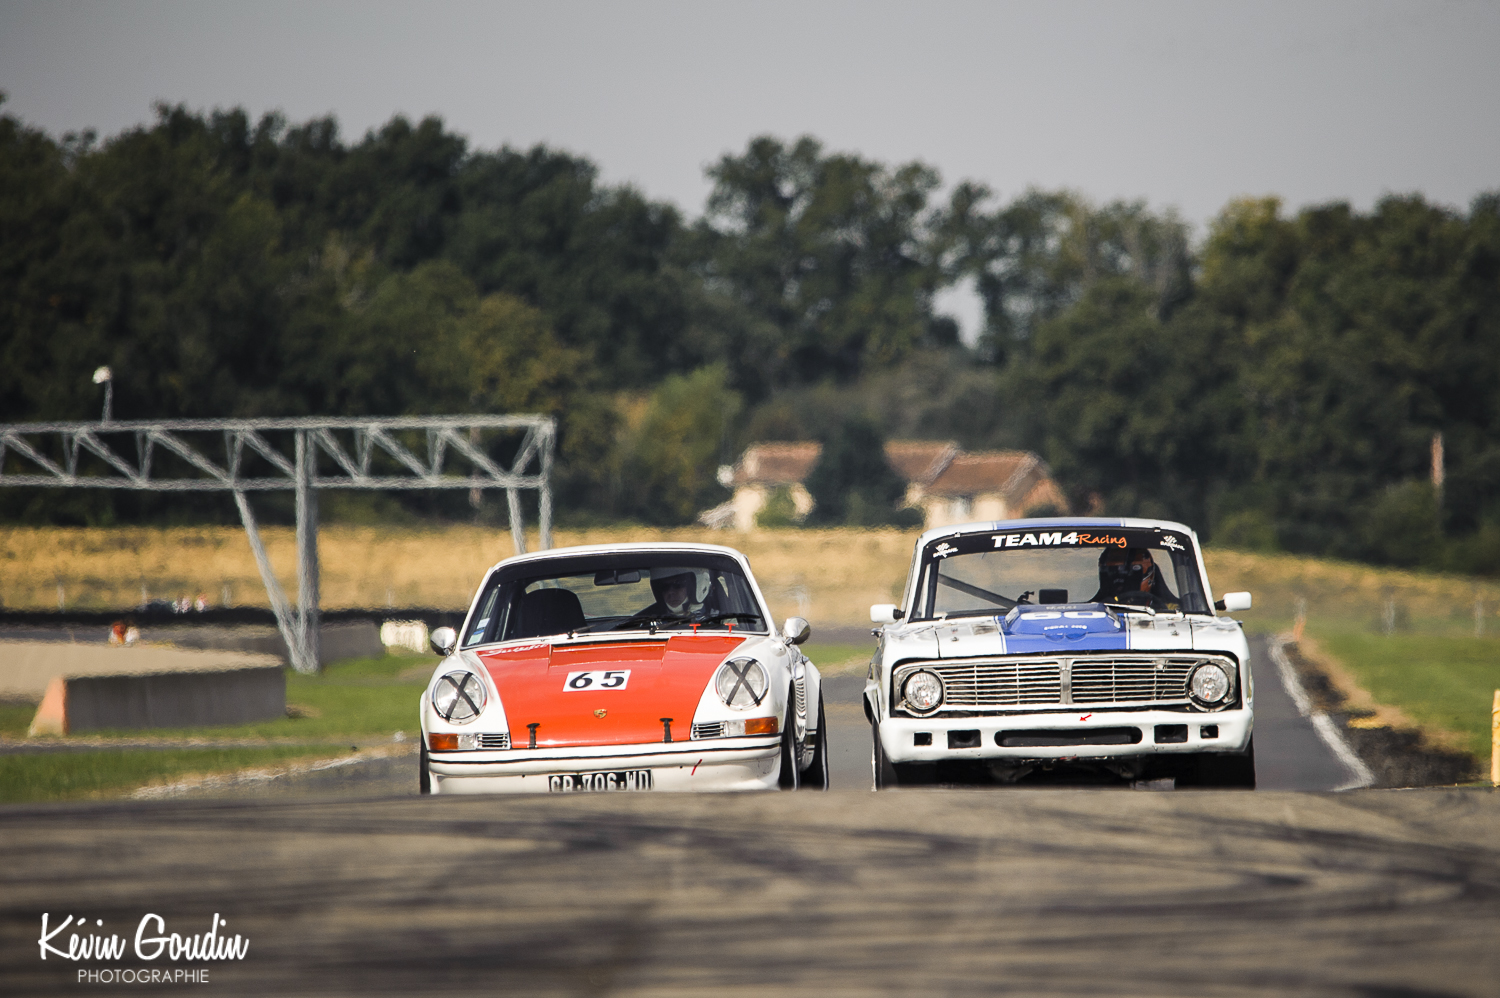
(676, 591)
(1129, 575)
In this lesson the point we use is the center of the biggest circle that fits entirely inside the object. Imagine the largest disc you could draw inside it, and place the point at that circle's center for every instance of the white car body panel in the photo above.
(686, 763)
(971, 639)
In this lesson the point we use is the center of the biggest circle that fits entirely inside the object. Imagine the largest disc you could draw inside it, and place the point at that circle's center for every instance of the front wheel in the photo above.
(884, 771)
(424, 778)
(791, 774)
(815, 777)
(1229, 772)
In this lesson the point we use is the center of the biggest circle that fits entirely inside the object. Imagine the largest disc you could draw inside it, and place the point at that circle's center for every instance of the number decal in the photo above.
(612, 679)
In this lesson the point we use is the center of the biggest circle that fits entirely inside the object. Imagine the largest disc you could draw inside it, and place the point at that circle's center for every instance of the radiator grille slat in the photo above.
(1143, 679)
(494, 741)
(1131, 680)
(999, 684)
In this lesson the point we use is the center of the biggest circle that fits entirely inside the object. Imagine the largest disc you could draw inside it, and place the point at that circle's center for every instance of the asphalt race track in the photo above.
(933, 891)
(1372, 893)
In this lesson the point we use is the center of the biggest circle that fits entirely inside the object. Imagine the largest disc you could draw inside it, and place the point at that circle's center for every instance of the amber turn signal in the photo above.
(760, 726)
(442, 743)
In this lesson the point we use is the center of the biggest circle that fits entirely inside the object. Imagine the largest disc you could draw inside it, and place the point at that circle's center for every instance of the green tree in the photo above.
(852, 483)
(671, 446)
(827, 251)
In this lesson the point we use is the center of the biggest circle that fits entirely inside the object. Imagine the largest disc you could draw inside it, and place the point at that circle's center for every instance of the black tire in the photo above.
(884, 772)
(1225, 772)
(791, 774)
(424, 778)
(815, 777)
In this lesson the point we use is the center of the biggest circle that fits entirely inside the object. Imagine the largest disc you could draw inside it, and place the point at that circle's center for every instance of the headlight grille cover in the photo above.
(742, 683)
(459, 697)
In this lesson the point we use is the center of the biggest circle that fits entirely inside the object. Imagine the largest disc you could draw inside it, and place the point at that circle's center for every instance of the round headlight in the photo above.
(1210, 684)
(742, 683)
(922, 691)
(458, 697)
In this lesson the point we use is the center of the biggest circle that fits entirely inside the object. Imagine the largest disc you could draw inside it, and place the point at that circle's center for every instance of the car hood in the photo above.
(1061, 629)
(666, 678)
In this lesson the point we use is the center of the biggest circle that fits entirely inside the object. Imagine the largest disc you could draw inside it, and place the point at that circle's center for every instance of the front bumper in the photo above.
(955, 737)
(751, 763)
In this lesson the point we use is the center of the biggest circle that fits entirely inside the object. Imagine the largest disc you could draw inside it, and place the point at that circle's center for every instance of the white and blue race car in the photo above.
(1061, 645)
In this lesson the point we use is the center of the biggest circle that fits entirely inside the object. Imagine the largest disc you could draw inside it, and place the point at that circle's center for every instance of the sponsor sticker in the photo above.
(1057, 538)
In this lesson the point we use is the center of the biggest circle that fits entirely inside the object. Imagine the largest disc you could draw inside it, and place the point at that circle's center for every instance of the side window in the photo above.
(488, 607)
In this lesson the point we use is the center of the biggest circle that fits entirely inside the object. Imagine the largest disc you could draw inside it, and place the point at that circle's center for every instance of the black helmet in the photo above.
(1130, 570)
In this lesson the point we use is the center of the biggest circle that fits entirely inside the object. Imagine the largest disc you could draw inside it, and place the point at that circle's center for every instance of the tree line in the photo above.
(1276, 382)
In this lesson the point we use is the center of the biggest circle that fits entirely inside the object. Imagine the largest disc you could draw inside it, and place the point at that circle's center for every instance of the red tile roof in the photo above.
(920, 461)
(777, 463)
(1011, 473)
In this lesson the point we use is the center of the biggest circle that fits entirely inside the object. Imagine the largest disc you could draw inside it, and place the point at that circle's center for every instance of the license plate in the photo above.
(629, 779)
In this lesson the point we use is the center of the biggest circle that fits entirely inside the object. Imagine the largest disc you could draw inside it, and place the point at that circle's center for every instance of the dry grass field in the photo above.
(829, 576)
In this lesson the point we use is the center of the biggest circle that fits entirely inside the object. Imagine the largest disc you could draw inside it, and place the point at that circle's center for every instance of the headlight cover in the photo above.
(1210, 685)
(742, 683)
(922, 691)
(459, 697)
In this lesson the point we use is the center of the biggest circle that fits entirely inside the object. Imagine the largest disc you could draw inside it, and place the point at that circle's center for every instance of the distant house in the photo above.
(919, 463)
(987, 485)
(761, 471)
(947, 484)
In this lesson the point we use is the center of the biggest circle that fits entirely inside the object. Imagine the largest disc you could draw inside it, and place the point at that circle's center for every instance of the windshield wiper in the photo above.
(650, 620)
(714, 618)
(1146, 608)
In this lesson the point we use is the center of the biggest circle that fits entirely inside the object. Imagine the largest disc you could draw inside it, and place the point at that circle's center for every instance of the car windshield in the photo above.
(617, 592)
(988, 574)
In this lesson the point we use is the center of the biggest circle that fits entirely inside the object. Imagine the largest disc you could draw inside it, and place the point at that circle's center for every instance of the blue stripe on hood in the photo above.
(1063, 628)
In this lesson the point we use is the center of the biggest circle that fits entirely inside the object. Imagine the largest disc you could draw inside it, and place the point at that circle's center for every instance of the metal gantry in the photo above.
(302, 455)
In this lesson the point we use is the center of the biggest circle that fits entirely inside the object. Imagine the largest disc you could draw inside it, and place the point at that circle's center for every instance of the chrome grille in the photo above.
(494, 741)
(999, 684)
(799, 687)
(711, 729)
(1131, 680)
(1022, 682)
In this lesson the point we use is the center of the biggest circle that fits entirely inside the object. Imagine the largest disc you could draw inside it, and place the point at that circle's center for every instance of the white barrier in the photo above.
(408, 634)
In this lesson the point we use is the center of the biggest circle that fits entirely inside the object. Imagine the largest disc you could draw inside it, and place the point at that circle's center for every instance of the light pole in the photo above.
(103, 377)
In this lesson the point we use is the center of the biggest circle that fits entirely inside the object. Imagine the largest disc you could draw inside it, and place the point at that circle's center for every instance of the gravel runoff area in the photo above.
(1395, 757)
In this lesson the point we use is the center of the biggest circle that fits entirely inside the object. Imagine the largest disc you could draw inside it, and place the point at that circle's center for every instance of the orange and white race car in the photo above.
(623, 667)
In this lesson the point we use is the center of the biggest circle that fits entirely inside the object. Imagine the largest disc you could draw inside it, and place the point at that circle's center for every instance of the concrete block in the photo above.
(77, 704)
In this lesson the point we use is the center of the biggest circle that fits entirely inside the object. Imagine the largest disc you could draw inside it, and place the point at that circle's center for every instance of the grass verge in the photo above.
(838, 660)
(358, 700)
(114, 772)
(15, 718)
(1444, 684)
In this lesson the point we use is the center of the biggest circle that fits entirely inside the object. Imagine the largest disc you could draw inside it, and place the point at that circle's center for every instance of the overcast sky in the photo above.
(1185, 104)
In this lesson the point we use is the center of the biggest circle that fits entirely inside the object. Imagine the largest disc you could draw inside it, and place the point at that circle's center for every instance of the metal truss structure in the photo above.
(301, 455)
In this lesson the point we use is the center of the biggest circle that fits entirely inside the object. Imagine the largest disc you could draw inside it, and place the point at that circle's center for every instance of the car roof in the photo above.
(1053, 523)
(662, 547)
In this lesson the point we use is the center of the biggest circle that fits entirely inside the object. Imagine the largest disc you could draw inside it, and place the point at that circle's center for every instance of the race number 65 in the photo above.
(596, 679)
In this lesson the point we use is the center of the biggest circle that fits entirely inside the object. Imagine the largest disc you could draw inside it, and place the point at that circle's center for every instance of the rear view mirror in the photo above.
(1233, 601)
(795, 631)
(885, 613)
(443, 640)
(1052, 596)
(616, 577)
